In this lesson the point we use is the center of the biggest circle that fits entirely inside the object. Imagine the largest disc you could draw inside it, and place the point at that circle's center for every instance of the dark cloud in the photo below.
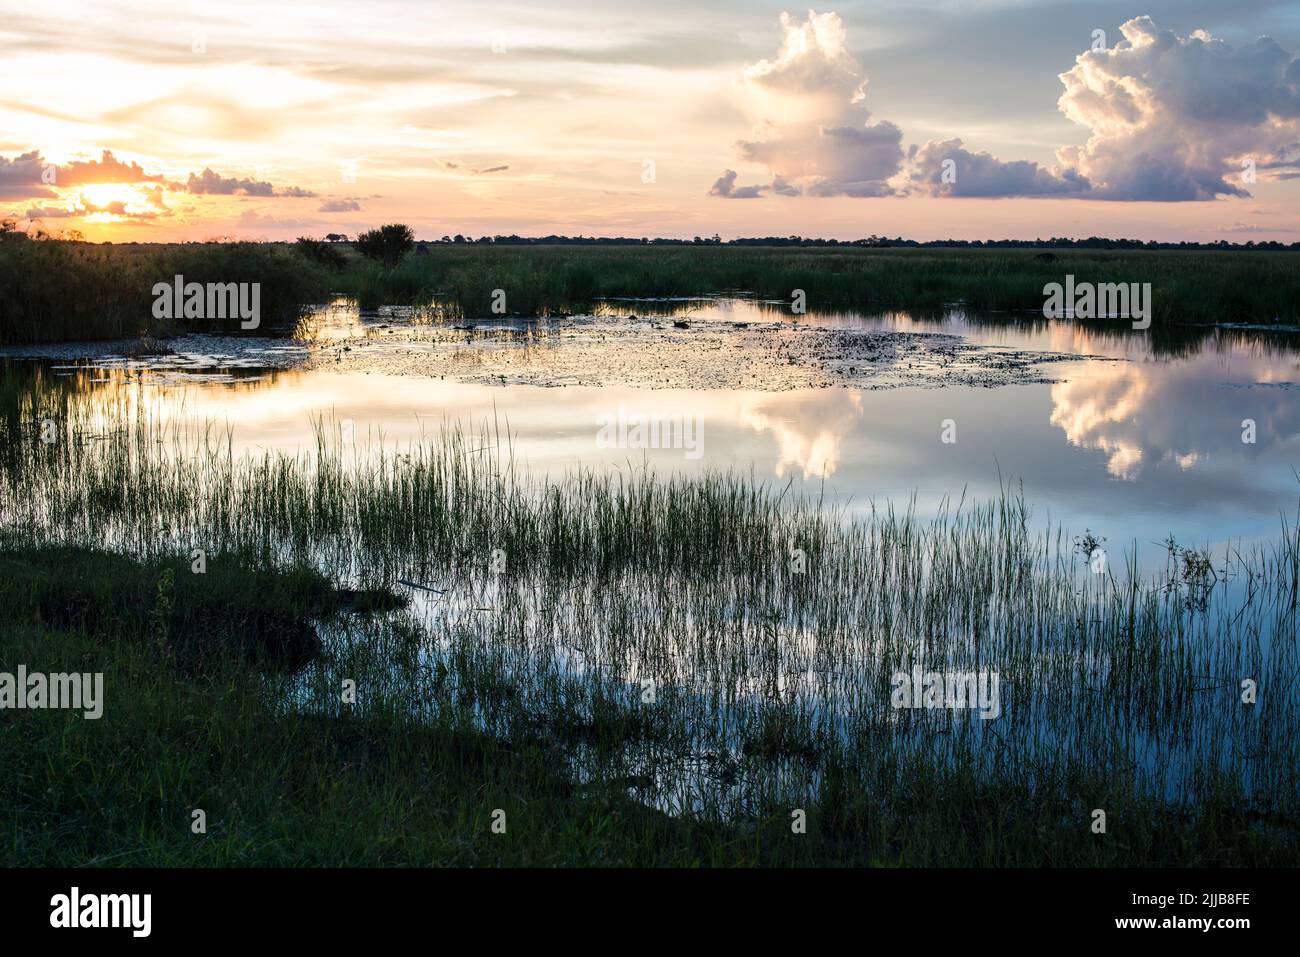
(213, 184)
(27, 176)
(725, 186)
(52, 212)
(949, 169)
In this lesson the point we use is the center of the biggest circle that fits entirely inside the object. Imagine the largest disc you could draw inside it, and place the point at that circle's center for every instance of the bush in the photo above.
(321, 252)
(387, 244)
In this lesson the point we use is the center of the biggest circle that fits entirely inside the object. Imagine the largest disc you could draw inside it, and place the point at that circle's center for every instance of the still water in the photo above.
(1132, 436)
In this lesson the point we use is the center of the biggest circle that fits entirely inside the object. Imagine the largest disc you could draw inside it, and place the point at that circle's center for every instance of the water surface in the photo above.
(1134, 436)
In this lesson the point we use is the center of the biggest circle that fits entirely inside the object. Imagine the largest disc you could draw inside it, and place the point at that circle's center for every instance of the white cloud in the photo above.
(823, 142)
(1170, 118)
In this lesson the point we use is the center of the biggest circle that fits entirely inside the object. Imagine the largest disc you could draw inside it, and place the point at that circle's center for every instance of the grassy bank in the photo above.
(538, 615)
(1195, 287)
(57, 291)
(54, 291)
(302, 783)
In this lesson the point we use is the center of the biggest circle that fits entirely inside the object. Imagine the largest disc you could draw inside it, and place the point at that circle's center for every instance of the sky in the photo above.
(1169, 120)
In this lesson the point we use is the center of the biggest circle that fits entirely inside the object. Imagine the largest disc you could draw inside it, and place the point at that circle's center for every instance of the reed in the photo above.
(662, 670)
(57, 291)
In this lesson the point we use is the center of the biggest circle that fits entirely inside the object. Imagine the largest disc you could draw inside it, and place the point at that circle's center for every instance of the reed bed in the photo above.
(765, 627)
(1187, 287)
(56, 291)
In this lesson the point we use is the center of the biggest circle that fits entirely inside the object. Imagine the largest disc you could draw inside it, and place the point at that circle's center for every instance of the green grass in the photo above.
(54, 291)
(520, 687)
(291, 786)
(1190, 287)
(237, 610)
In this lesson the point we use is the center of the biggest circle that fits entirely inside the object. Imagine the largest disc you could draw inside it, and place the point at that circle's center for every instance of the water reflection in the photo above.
(1140, 437)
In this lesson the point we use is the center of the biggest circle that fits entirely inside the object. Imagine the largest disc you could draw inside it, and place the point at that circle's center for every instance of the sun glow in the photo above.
(114, 202)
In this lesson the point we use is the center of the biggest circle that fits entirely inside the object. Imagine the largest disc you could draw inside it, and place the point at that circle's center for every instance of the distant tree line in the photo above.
(1056, 242)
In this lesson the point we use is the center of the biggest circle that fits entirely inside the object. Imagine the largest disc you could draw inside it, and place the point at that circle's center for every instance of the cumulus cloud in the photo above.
(213, 184)
(116, 188)
(145, 204)
(340, 206)
(107, 169)
(53, 212)
(1169, 118)
(29, 176)
(947, 168)
(1173, 118)
(725, 186)
(26, 177)
(813, 61)
(823, 143)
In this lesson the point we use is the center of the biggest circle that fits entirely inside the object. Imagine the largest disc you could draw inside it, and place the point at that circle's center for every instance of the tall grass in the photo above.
(52, 291)
(56, 291)
(1187, 287)
(544, 609)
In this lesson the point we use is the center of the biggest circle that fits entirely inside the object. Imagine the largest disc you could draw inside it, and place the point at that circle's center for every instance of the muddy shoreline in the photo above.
(640, 352)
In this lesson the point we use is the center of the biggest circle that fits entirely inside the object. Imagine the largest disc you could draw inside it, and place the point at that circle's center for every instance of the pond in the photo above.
(1130, 436)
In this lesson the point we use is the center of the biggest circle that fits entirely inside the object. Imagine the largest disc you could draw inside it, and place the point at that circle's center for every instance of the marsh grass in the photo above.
(1187, 287)
(771, 684)
(55, 290)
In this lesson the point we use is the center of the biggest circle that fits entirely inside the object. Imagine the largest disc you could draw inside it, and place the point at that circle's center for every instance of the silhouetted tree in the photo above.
(321, 252)
(387, 244)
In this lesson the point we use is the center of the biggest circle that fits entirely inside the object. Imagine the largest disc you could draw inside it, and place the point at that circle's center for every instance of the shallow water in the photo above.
(1133, 436)
(1130, 436)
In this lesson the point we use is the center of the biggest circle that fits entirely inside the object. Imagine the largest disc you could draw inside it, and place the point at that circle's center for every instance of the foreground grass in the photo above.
(297, 789)
(56, 291)
(297, 786)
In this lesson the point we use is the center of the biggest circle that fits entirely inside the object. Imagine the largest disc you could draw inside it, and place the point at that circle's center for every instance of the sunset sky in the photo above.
(657, 119)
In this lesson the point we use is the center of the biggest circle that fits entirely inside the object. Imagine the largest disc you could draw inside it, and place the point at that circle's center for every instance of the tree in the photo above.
(321, 252)
(387, 244)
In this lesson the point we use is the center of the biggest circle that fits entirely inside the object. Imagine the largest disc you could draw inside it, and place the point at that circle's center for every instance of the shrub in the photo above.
(321, 252)
(387, 244)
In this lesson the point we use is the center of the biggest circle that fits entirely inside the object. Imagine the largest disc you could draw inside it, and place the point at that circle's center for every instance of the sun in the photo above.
(110, 202)
(102, 194)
